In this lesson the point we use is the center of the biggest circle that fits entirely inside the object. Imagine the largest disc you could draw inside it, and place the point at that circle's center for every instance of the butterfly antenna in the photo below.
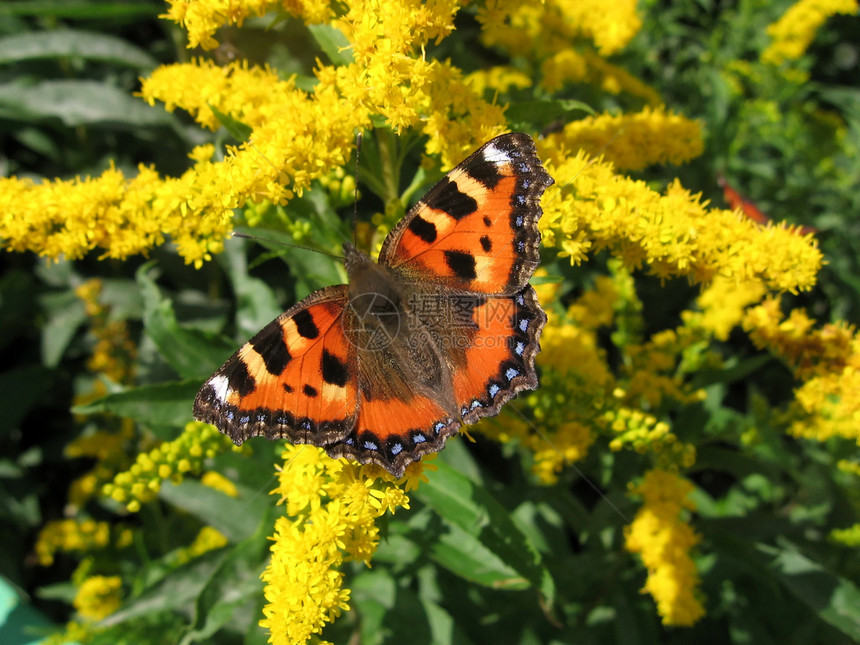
(260, 238)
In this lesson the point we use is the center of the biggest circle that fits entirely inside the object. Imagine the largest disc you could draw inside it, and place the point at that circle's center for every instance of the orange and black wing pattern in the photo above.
(295, 379)
(476, 230)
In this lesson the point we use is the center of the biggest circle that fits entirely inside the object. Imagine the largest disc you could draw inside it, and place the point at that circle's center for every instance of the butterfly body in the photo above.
(442, 331)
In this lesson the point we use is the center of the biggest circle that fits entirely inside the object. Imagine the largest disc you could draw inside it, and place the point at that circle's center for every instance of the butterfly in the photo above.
(441, 332)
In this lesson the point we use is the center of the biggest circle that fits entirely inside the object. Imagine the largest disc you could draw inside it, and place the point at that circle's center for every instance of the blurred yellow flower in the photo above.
(664, 540)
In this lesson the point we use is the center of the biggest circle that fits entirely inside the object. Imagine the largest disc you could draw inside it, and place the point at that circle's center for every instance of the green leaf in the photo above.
(256, 304)
(78, 103)
(230, 596)
(469, 507)
(332, 41)
(165, 404)
(69, 43)
(79, 9)
(65, 314)
(835, 599)
(193, 354)
(537, 115)
(237, 518)
(465, 555)
(237, 129)
(171, 592)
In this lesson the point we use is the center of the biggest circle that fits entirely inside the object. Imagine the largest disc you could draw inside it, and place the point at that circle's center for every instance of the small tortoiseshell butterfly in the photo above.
(441, 332)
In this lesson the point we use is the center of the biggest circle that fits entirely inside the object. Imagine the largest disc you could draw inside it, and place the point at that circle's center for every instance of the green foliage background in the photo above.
(68, 71)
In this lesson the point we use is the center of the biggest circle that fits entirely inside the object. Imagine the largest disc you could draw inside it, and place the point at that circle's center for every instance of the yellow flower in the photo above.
(501, 78)
(664, 541)
(208, 539)
(170, 461)
(98, 597)
(332, 506)
(672, 234)
(218, 482)
(70, 536)
(540, 29)
(792, 34)
(723, 304)
(652, 136)
(850, 536)
(573, 66)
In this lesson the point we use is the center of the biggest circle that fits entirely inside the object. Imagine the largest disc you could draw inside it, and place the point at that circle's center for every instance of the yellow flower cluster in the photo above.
(850, 536)
(208, 539)
(217, 481)
(332, 506)
(644, 433)
(202, 18)
(71, 536)
(170, 461)
(541, 29)
(575, 382)
(502, 78)
(98, 597)
(114, 352)
(664, 541)
(674, 234)
(827, 360)
(792, 34)
(635, 140)
(567, 41)
(723, 304)
(572, 66)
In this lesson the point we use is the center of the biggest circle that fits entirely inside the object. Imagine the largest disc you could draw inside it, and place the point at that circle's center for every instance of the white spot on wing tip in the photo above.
(220, 386)
(493, 154)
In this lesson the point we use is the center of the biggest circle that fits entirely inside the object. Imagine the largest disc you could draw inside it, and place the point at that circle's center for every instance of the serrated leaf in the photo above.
(69, 43)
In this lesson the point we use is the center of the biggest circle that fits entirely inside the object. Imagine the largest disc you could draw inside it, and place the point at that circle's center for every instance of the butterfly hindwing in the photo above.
(485, 347)
(498, 363)
(295, 379)
(476, 229)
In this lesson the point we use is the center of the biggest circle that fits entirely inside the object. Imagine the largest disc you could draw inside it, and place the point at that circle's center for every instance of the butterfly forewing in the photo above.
(476, 229)
(295, 379)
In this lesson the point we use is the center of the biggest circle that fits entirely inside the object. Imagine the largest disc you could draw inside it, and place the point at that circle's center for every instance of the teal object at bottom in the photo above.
(20, 624)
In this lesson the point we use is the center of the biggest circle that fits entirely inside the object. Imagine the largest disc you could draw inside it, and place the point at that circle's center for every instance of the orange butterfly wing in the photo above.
(295, 379)
(477, 228)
